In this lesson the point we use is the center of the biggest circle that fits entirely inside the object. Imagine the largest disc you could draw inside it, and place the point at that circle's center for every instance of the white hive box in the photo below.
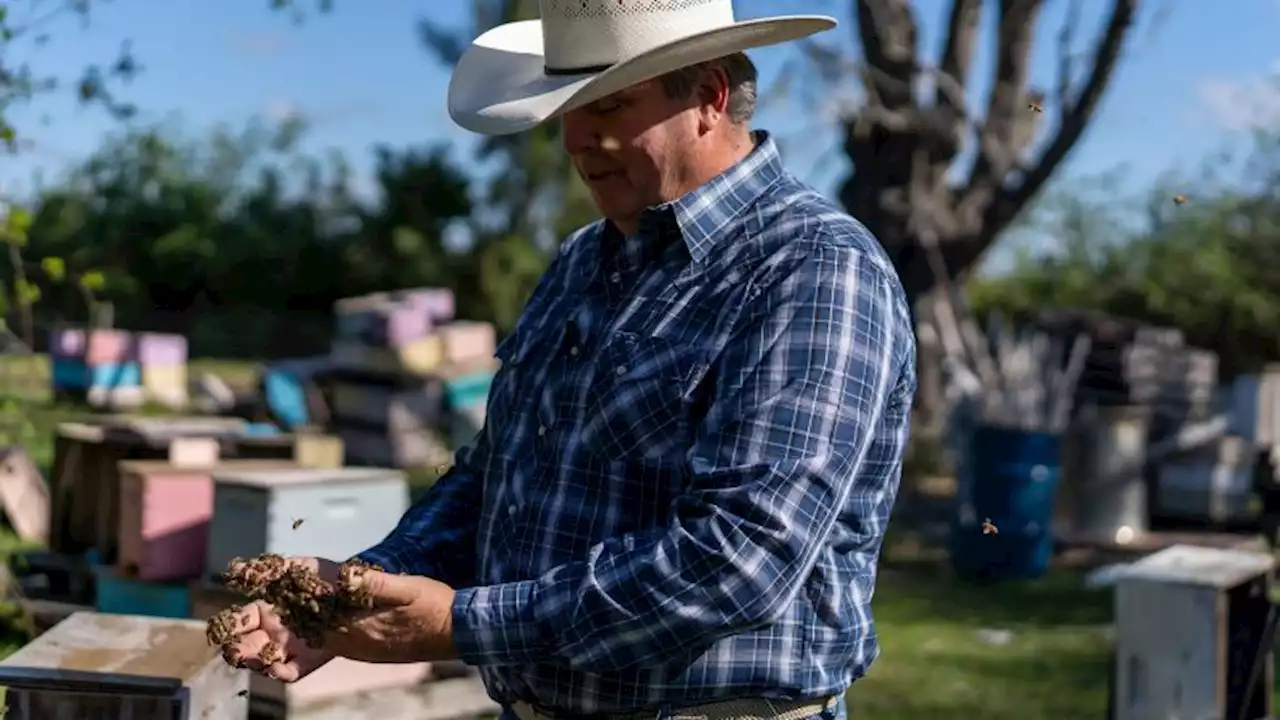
(342, 511)
(1189, 621)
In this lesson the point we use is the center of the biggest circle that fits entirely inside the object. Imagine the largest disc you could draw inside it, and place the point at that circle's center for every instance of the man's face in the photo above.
(628, 148)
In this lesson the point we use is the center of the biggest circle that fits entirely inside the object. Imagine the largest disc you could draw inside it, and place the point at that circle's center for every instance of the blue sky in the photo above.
(361, 77)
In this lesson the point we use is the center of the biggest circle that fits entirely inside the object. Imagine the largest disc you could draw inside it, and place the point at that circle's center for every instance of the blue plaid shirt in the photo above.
(689, 459)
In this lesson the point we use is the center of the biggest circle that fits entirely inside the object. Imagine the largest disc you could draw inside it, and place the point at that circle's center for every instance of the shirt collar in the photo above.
(701, 214)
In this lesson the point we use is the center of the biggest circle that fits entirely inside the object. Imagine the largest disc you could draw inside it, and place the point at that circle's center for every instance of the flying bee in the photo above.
(1179, 199)
(1035, 106)
(297, 523)
(989, 528)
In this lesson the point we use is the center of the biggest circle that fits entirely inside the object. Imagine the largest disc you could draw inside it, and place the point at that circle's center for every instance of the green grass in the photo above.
(933, 663)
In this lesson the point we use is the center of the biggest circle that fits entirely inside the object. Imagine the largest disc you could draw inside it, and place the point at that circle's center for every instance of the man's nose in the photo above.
(577, 133)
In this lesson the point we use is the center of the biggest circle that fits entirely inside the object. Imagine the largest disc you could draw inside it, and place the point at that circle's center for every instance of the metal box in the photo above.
(1189, 625)
(104, 667)
(333, 513)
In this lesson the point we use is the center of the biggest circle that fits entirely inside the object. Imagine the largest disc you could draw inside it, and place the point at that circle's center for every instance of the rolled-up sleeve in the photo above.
(800, 392)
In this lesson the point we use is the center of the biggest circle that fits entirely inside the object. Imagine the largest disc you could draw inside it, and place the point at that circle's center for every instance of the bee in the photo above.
(1179, 199)
(242, 693)
(297, 523)
(989, 528)
(1035, 106)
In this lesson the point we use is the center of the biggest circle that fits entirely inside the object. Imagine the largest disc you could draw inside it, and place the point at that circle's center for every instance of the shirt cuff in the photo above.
(495, 625)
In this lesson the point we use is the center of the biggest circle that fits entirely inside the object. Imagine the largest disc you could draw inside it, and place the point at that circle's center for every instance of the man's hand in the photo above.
(411, 621)
(258, 624)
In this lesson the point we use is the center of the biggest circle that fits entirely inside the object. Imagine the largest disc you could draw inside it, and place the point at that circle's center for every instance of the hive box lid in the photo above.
(151, 467)
(1202, 566)
(304, 476)
(100, 653)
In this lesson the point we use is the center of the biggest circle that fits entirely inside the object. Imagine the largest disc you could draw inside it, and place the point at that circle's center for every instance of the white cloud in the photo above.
(1242, 105)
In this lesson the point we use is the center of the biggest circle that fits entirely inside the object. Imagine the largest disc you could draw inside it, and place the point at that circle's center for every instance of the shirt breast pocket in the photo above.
(638, 406)
(511, 384)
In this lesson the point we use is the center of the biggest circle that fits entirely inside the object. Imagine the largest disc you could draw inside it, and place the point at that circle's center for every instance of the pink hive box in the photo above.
(164, 516)
(105, 347)
(438, 303)
(396, 324)
(467, 341)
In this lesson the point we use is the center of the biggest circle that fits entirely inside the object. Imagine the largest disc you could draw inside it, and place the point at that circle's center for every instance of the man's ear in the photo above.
(713, 96)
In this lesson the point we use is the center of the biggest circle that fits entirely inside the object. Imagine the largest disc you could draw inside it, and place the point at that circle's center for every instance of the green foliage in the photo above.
(245, 241)
(1210, 267)
(13, 231)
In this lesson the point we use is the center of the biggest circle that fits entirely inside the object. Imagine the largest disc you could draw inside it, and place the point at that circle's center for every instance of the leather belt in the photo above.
(744, 709)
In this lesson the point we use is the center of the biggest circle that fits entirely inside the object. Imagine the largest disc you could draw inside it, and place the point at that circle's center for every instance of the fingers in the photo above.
(287, 663)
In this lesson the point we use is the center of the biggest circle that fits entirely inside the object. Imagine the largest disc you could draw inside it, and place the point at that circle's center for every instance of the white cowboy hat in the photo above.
(521, 74)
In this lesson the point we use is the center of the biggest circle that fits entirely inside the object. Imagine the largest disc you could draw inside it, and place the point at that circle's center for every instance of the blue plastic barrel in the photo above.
(1009, 477)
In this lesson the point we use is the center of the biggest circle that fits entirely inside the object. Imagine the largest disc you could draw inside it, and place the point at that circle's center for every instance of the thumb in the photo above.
(381, 588)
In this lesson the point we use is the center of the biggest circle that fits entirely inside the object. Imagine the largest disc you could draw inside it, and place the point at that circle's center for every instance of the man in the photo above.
(678, 499)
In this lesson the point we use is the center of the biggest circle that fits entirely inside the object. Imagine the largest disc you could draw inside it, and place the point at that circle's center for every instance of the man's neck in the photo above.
(701, 168)
(705, 167)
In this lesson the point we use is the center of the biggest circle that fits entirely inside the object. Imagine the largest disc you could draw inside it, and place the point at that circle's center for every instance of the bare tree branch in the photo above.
(1106, 57)
(1007, 106)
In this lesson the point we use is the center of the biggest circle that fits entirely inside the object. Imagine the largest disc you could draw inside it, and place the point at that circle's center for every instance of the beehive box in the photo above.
(333, 513)
(418, 357)
(103, 667)
(393, 406)
(339, 678)
(466, 340)
(312, 450)
(398, 449)
(85, 484)
(1190, 624)
(164, 515)
(117, 594)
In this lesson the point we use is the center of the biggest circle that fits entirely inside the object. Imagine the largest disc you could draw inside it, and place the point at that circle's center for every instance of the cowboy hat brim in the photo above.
(499, 86)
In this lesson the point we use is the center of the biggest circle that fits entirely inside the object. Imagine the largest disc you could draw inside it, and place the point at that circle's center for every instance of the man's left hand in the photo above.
(411, 621)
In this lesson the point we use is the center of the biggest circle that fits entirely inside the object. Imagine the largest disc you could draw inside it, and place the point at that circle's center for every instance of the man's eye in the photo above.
(607, 108)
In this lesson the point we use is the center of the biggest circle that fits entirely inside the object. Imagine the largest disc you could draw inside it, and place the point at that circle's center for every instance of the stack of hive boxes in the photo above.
(117, 369)
(182, 519)
(408, 378)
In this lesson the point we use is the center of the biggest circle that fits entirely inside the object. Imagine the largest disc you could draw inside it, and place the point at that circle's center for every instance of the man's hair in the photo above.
(742, 75)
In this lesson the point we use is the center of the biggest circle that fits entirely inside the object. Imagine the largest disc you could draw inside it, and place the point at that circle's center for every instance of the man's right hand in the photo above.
(257, 625)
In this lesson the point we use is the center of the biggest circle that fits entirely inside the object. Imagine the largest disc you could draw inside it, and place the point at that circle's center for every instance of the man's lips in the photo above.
(605, 175)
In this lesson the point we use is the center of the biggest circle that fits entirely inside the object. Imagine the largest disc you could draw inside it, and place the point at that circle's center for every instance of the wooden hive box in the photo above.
(387, 404)
(466, 341)
(339, 678)
(333, 513)
(164, 515)
(313, 450)
(108, 667)
(394, 448)
(1190, 624)
(85, 481)
(418, 357)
